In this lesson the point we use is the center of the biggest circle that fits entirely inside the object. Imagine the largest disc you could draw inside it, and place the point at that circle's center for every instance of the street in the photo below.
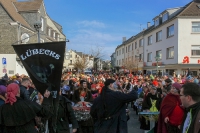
(133, 123)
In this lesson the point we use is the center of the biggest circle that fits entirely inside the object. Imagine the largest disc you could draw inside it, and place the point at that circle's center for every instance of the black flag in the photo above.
(43, 63)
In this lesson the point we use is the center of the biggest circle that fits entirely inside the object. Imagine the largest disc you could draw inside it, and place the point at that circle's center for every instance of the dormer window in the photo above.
(165, 17)
(156, 21)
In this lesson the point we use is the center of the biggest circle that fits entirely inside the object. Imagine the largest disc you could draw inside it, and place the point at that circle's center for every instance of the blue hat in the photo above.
(189, 77)
(66, 88)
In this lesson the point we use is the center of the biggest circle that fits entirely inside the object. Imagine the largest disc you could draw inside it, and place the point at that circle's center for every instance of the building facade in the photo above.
(171, 44)
(17, 24)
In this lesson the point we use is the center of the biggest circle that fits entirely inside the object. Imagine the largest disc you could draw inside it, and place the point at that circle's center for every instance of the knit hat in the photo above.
(196, 80)
(177, 86)
(2, 90)
(12, 90)
(109, 81)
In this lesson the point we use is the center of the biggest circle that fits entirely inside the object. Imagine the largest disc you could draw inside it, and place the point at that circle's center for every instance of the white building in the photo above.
(171, 44)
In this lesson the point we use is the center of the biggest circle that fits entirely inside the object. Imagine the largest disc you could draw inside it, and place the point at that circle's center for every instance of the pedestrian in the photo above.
(190, 98)
(18, 115)
(171, 112)
(109, 109)
(24, 93)
(83, 96)
(65, 116)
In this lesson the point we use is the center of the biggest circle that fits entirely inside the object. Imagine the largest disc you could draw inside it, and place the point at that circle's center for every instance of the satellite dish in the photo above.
(24, 38)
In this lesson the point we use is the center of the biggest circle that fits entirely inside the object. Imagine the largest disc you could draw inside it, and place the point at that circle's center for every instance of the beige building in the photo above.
(71, 57)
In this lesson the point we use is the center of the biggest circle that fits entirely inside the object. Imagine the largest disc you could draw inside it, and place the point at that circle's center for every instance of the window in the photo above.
(41, 40)
(54, 35)
(117, 62)
(126, 49)
(159, 54)
(122, 50)
(49, 32)
(141, 42)
(122, 61)
(70, 61)
(157, 22)
(195, 50)
(170, 52)
(42, 22)
(117, 53)
(135, 45)
(140, 57)
(196, 27)
(58, 37)
(170, 31)
(159, 36)
(129, 48)
(132, 46)
(165, 17)
(150, 40)
(149, 58)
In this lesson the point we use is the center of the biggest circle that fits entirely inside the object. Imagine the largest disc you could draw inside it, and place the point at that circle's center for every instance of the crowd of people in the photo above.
(106, 96)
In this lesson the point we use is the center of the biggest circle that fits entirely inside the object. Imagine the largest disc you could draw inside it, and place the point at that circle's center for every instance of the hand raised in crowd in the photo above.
(47, 94)
(74, 130)
(166, 119)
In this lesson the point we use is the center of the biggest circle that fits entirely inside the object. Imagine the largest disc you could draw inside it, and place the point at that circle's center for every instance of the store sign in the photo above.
(186, 60)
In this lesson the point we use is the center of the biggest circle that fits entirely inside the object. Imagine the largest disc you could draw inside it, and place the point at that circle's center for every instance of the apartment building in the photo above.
(171, 44)
(72, 56)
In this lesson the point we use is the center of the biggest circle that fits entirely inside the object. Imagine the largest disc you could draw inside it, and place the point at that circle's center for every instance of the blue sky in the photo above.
(102, 23)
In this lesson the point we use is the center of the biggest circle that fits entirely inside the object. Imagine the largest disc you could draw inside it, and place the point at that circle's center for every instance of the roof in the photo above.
(11, 10)
(28, 5)
(191, 10)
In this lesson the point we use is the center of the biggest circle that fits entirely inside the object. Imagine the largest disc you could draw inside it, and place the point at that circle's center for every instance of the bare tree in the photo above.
(131, 65)
(97, 51)
(81, 63)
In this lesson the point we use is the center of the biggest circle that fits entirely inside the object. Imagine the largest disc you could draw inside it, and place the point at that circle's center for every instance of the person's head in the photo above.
(153, 90)
(109, 83)
(26, 82)
(190, 94)
(168, 81)
(175, 88)
(83, 83)
(12, 91)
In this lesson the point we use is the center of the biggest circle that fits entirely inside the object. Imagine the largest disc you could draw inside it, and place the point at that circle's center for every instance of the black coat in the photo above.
(65, 116)
(24, 93)
(146, 105)
(115, 108)
(20, 116)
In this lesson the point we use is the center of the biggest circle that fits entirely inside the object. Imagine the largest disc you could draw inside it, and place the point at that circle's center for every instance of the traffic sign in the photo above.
(4, 61)
(4, 70)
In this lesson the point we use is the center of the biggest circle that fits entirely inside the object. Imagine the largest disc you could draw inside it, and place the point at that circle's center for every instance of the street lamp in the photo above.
(37, 26)
(18, 30)
(157, 59)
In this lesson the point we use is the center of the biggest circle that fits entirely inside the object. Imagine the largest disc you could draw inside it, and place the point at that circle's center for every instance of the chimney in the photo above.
(123, 39)
(148, 24)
